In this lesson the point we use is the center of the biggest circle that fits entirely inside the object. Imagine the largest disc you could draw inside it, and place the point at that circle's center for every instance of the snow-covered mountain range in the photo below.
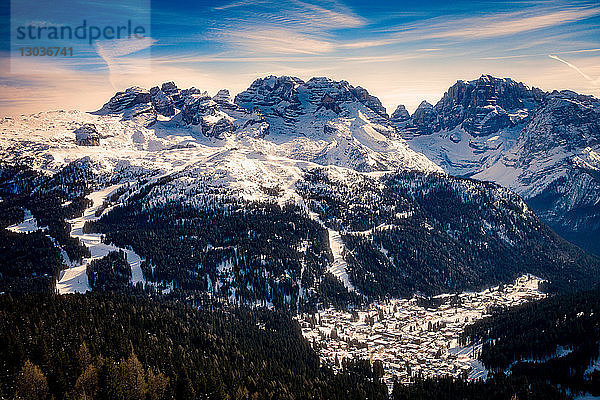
(292, 193)
(544, 146)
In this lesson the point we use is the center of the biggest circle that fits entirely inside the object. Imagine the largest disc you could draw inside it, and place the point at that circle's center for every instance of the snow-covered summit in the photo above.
(320, 121)
(331, 123)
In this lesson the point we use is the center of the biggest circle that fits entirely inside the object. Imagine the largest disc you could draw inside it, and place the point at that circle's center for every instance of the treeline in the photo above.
(112, 346)
(32, 261)
(29, 262)
(555, 339)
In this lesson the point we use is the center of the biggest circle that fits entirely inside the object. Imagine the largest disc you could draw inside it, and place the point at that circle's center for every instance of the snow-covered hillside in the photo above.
(305, 190)
(322, 122)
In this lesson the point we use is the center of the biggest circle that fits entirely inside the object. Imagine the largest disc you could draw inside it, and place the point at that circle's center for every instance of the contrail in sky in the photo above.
(557, 58)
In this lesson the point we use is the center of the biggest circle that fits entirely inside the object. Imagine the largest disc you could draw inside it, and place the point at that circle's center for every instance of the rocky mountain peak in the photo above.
(400, 114)
(480, 107)
(223, 97)
(131, 97)
(196, 106)
(485, 105)
(269, 91)
(162, 100)
(169, 88)
(266, 92)
(425, 118)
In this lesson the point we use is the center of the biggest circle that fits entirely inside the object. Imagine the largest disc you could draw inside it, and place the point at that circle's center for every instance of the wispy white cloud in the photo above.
(320, 14)
(336, 16)
(505, 24)
(242, 3)
(361, 44)
(300, 27)
(463, 29)
(291, 27)
(276, 40)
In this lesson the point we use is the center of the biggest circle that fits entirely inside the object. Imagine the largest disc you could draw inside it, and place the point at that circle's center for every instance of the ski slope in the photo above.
(74, 279)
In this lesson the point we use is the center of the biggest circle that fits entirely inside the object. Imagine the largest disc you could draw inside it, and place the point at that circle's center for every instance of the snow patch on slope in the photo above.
(28, 225)
(339, 267)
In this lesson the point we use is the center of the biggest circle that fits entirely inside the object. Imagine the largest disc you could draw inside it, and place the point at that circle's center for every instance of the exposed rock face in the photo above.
(400, 115)
(196, 107)
(342, 93)
(144, 106)
(288, 100)
(483, 106)
(175, 94)
(224, 100)
(87, 135)
(480, 107)
(425, 119)
(135, 103)
(329, 103)
(162, 102)
(218, 117)
(223, 97)
(370, 101)
(218, 129)
(127, 99)
(169, 88)
(273, 96)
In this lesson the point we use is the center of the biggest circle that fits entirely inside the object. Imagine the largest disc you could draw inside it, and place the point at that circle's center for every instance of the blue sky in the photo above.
(402, 51)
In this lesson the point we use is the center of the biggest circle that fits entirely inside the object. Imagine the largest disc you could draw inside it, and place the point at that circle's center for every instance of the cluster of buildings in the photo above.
(413, 337)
